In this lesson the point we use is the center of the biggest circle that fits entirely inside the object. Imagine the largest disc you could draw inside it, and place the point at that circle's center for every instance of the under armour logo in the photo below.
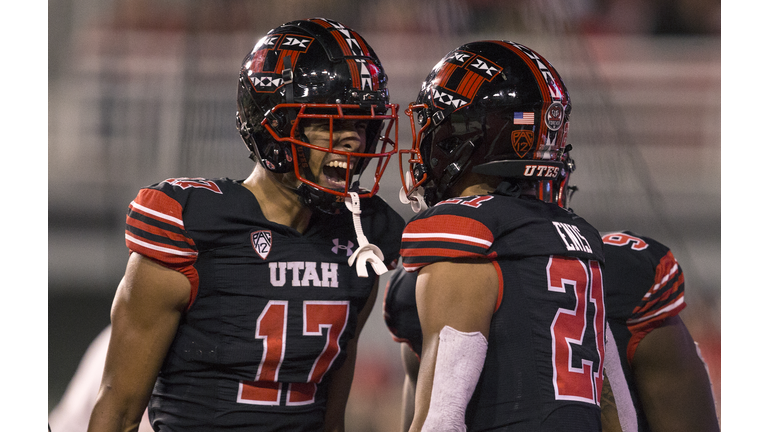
(348, 247)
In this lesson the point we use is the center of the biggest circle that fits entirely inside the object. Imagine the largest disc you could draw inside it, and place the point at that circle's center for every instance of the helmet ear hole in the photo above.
(276, 157)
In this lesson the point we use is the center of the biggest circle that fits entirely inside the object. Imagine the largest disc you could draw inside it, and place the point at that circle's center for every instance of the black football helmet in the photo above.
(490, 107)
(315, 69)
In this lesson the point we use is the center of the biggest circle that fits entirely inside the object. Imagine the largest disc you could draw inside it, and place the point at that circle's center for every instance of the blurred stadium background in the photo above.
(143, 90)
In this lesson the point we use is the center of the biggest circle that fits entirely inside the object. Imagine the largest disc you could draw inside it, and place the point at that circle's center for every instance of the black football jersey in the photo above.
(543, 368)
(271, 309)
(644, 285)
(400, 313)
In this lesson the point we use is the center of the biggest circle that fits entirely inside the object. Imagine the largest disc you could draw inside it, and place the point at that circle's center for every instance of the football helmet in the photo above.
(489, 107)
(316, 69)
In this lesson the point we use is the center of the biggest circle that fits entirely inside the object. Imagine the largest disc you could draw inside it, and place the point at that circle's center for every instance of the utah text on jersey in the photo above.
(304, 273)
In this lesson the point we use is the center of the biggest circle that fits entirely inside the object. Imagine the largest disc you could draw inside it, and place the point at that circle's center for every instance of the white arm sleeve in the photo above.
(619, 386)
(460, 358)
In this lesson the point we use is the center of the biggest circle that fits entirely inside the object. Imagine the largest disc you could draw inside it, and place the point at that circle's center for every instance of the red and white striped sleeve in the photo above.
(155, 229)
(665, 298)
(443, 237)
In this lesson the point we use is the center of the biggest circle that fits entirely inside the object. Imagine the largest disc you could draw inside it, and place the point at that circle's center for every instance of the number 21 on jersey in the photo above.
(578, 347)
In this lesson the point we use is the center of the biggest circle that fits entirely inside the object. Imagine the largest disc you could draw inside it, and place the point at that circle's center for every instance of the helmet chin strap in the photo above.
(367, 252)
(415, 198)
(287, 75)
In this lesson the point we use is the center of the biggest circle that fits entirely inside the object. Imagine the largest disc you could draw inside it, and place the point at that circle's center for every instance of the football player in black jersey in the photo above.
(508, 281)
(658, 380)
(243, 300)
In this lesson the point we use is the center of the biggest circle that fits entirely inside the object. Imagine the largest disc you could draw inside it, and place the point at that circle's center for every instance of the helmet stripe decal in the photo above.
(540, 79)
(350, 42)
(366, 76)
(323, 22)
(360, 43)
(342, 43)
(551, 84)
(353, 72)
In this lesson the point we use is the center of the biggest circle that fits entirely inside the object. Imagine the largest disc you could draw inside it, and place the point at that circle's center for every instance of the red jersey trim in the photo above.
(671, 309)
(450, 228)
(153, 229)
(501, 285)
(671, 296)
(666, 270)
(440, 252)
(157, 205)
(651, 315)
(158, 251)
(189, 271)
(447, 237)
(640, 330)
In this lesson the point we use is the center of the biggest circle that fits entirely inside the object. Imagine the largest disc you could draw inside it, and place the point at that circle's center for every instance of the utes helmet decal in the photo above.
(489, 107)
(458, 81)
(310, 70)
(267, 76)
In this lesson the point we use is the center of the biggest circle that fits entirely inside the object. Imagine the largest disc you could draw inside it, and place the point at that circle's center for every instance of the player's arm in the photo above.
(609, 414)
(341, 379)
(672, 380)
(145, 314)
(455, 302)
(411, 366)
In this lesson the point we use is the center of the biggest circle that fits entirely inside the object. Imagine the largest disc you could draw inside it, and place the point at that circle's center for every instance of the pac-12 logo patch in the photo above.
(262, 242)
(522, 141)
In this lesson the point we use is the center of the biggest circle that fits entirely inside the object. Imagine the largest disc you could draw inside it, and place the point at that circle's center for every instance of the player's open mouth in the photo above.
(335, 173)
